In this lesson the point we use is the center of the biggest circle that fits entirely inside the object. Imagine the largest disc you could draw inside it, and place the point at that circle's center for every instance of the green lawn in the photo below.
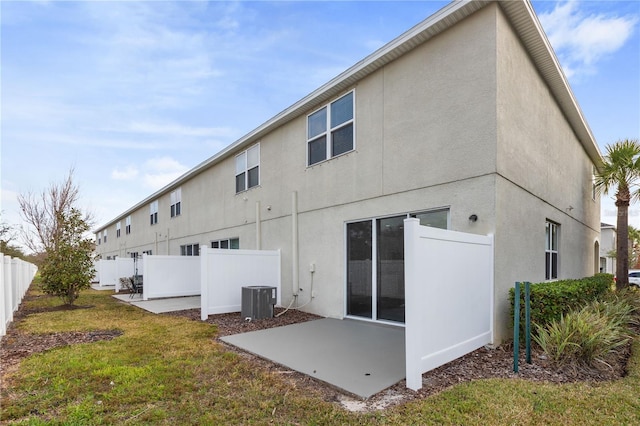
(169, 370)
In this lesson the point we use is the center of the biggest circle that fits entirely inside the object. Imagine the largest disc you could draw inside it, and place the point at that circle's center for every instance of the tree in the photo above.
(621, 170)
(69, 268)
(43, 212)
(59, 231)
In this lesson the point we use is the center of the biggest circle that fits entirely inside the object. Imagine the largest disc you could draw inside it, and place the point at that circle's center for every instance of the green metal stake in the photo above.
(527, 321)
(516, 327)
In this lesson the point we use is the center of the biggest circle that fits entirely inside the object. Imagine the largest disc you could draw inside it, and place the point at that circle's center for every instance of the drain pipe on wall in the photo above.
(294, 244)
(258, 227)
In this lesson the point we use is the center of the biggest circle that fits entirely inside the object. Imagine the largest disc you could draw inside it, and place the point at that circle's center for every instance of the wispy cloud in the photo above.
(161, 171)
(581, 40)
(128, 173)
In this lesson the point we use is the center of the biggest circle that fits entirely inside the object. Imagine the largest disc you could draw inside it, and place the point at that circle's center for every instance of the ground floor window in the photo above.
(375, 264)
(190, 250)
(228, 243)
(551, 250)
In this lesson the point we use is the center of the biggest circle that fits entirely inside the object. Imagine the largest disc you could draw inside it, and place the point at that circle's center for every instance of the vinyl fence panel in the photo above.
(448, 294)
(225, 272)
(170, 276)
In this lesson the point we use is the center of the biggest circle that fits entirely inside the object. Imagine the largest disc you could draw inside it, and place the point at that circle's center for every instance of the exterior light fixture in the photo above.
(473, 218)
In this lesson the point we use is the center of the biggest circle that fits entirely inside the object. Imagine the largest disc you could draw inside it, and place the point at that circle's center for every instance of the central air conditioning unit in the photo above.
(258, 301)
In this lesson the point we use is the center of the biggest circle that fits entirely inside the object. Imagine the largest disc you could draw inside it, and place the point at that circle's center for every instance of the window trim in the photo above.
(127, 221)
(329, 130)
(104, 236)
(176, 202)
(550, 249)
(246, 168)
(153, 212)
(189, 249)
(118, 227)
(225, 240)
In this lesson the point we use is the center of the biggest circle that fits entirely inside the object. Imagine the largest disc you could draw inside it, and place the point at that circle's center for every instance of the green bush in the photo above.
(587, 336)
(551, 300)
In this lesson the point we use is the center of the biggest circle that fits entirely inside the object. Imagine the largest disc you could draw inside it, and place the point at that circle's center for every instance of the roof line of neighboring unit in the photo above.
(524, 20)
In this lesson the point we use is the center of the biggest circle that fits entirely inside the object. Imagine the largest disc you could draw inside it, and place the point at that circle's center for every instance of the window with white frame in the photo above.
(330, 130)
(153, 212)
(229, 243)
(248, 168)
(594, 188)
(176, 202)
(104, 236)
(190, 250)
(551, 250)
(127, 225)
(118, 226)
(99, 238)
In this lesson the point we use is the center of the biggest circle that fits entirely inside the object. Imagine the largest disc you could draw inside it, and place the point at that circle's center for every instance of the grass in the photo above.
(169, 370)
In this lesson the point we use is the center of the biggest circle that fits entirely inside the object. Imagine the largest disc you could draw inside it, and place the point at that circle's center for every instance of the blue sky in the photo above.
(133, 94)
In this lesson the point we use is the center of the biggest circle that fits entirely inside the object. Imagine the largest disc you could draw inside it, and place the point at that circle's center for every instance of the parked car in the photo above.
(634, 277)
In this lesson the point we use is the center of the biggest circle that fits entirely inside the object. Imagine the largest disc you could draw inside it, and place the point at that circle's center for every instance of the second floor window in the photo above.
(248, 169)
(105, 236)
(330, 130)
(118, 226)
(127, 225)
(153, 212)
(176, 202)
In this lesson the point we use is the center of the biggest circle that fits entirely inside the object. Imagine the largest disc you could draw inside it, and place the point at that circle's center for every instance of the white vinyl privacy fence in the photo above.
(448, 296)
(110, 271)
(15, 278)
(170, 276)
(225, 272)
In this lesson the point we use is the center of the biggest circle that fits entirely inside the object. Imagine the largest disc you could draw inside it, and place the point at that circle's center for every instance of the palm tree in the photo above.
(621, 169)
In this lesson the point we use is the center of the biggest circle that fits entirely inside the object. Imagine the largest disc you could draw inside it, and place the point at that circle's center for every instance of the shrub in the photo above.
(587, 336)
(551, 300)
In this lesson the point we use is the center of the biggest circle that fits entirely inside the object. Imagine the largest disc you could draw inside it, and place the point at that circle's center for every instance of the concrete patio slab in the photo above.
(359, 357)
(158, 306)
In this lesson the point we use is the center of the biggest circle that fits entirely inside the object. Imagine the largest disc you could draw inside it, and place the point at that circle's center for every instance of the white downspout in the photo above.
(294, 244)
(258, 227)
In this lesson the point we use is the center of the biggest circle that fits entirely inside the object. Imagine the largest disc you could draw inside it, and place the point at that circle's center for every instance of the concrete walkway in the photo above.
(359, 357)
(159, 306)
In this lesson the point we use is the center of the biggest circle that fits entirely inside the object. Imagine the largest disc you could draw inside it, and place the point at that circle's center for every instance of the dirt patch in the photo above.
(480, 364)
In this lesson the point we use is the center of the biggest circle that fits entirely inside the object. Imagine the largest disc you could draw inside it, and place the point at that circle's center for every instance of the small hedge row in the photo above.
(551, 300)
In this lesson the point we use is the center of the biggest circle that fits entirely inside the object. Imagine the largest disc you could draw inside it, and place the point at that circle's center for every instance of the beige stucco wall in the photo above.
(463, 121)
(544, 174)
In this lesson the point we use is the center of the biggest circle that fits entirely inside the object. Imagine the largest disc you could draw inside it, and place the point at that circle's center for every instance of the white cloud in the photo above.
(582, 40)
(129, 173)
(161, 171)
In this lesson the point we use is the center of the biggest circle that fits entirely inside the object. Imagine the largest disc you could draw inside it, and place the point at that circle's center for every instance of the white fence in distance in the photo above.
(15, 278)
(225, 272)
(170, 276)
(448, 296)
(110, 271)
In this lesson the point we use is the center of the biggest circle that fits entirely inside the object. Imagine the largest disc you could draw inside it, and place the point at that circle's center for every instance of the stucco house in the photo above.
(607, 247)
(466, 122)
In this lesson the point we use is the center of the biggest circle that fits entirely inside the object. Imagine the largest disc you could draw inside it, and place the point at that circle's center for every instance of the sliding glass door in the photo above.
(375, 264)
